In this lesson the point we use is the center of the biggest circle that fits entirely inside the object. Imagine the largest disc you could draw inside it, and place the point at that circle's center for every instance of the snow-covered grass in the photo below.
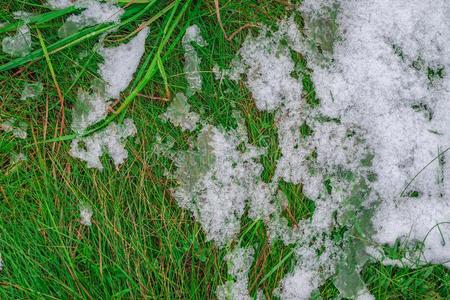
(140, 243)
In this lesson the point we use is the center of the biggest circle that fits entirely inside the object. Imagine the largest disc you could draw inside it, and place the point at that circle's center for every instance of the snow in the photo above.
(239, 262)
(86, 215)
(191, 59)
(60, 4)
(179, 114)
(18, 129)
(121, 62)
(110, 140)
(19, 44)
(17, 157)
(31, 90)
(375, 83)
(217, 174)
(90, 108)
(94, 12)
(382, 120)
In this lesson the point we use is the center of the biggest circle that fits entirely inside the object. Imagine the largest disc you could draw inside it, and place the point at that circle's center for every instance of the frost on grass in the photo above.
(179, 114)
(191, 59)
(85, 215)
(18, 44)
(221, 171)
(93, 12)
(31, 90)
(109, 141)
(239, 262)
(121, 62)
(17, 128)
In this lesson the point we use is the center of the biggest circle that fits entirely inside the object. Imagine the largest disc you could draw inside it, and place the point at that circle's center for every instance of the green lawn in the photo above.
(141, 244)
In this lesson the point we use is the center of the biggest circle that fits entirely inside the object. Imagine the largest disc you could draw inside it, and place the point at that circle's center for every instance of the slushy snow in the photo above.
(85, 215)
(191, 58)
(19, 44)
(93, 12)
(109, 141)
(375, 156)
(179, 114)
(239, 261)
(121, 62)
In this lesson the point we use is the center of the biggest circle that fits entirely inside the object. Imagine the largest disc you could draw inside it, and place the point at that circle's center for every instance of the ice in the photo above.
(121, 62)
(191, 59)
(179, 114)
(109, 140)
(239, 262)
(18, 44)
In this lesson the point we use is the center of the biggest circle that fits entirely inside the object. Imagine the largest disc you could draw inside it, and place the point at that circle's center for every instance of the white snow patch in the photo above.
(380, 80)
(179, 114)
(121, 62)
(94, 12)
(109, 140)
(239, 262)
(86, 215)
(18, 44)
(31, 90)
(90, 109)
(191, 59)
(216, 174)
(18, 129)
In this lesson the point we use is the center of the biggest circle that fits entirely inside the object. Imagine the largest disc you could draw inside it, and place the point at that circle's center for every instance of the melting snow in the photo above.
(86, 215)
(383, 118)
(31, 90)
(191, 59)
(94, 12)
(121, 62)
(179, 114)
(109, 140)
(18, 129)
(216, 173)
(239, 262)
(18, 44)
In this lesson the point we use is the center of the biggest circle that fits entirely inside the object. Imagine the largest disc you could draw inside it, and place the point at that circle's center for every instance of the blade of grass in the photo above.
(78, 37)
(151, 71)
(55, 81)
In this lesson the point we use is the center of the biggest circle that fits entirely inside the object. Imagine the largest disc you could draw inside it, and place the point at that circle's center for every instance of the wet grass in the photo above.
(141, 244)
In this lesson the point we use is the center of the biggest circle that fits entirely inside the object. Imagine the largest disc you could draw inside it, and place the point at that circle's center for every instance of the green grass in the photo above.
(141, 244)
